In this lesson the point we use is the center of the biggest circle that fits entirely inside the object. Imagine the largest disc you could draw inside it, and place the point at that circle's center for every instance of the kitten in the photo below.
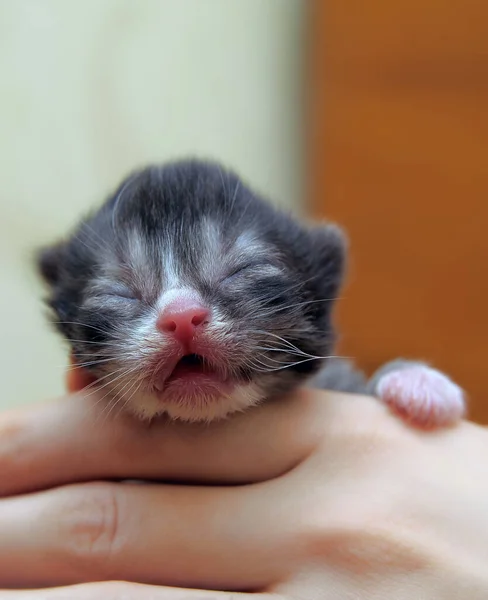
(187, 294)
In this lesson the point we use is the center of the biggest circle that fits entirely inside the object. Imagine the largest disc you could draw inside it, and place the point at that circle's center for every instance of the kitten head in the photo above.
(187, 294)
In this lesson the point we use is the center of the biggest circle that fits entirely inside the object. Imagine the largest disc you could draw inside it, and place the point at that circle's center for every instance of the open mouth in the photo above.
(190, 365)
(193, 375)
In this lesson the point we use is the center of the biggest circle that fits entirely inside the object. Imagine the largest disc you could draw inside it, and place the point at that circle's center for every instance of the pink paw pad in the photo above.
(422, 396)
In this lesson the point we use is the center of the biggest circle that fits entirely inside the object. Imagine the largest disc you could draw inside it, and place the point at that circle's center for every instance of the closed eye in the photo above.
(119, 291)
(256, 269)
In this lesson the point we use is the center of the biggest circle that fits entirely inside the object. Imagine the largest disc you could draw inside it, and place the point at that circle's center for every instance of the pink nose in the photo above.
(182, 318)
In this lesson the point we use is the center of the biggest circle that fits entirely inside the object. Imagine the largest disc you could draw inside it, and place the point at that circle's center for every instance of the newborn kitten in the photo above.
(188, 294)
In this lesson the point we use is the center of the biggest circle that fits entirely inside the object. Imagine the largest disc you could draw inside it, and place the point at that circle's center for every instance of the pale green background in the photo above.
(91, 89)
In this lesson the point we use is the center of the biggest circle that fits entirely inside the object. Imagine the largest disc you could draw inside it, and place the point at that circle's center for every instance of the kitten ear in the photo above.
(49, 261)
(329, 250)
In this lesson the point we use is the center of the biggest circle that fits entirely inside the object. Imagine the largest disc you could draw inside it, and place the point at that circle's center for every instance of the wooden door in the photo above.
(398, 154)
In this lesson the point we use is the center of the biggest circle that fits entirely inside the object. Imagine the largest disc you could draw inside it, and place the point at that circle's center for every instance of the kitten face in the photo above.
(187, 294)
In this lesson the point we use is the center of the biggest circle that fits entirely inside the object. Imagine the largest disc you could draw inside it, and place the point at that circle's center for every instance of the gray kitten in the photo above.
(188, 294)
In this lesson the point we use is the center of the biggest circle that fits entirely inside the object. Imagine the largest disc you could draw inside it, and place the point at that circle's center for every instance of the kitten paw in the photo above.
(422, 396)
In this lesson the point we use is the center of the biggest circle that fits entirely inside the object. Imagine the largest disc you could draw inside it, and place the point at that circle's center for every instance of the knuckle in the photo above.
(362, 543)
(89, 525)
(352, 548)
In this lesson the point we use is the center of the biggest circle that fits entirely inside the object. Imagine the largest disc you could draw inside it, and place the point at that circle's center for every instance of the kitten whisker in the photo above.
(81, 325)
(120, 373)
(297, 363)
(298, 304)
(287, 342)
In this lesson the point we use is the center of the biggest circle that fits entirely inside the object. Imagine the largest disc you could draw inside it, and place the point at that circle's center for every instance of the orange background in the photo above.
(398, 154)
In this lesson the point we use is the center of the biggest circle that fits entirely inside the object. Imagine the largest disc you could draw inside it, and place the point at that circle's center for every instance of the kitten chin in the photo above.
(198, 407)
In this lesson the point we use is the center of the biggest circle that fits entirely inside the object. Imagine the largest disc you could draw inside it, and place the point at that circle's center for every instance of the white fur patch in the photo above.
(197, 409)
(171, 278)
(210, 259)
(136, 251)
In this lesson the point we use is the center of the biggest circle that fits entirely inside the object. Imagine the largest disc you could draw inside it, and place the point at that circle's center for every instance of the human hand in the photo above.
(345, 502)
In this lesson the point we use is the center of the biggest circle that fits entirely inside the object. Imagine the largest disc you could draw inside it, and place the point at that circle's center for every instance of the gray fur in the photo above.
(340, 375)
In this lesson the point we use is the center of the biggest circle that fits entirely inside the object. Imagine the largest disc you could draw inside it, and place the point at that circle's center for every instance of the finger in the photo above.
(69, 440)
(115, 590)
(77, 378)
(208, 537)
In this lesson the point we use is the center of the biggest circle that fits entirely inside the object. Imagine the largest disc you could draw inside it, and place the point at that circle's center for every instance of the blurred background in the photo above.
(90, 90)
(371, 114)
(398, 154)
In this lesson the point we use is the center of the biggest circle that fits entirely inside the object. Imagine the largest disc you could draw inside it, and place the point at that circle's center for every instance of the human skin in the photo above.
(342, 500)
